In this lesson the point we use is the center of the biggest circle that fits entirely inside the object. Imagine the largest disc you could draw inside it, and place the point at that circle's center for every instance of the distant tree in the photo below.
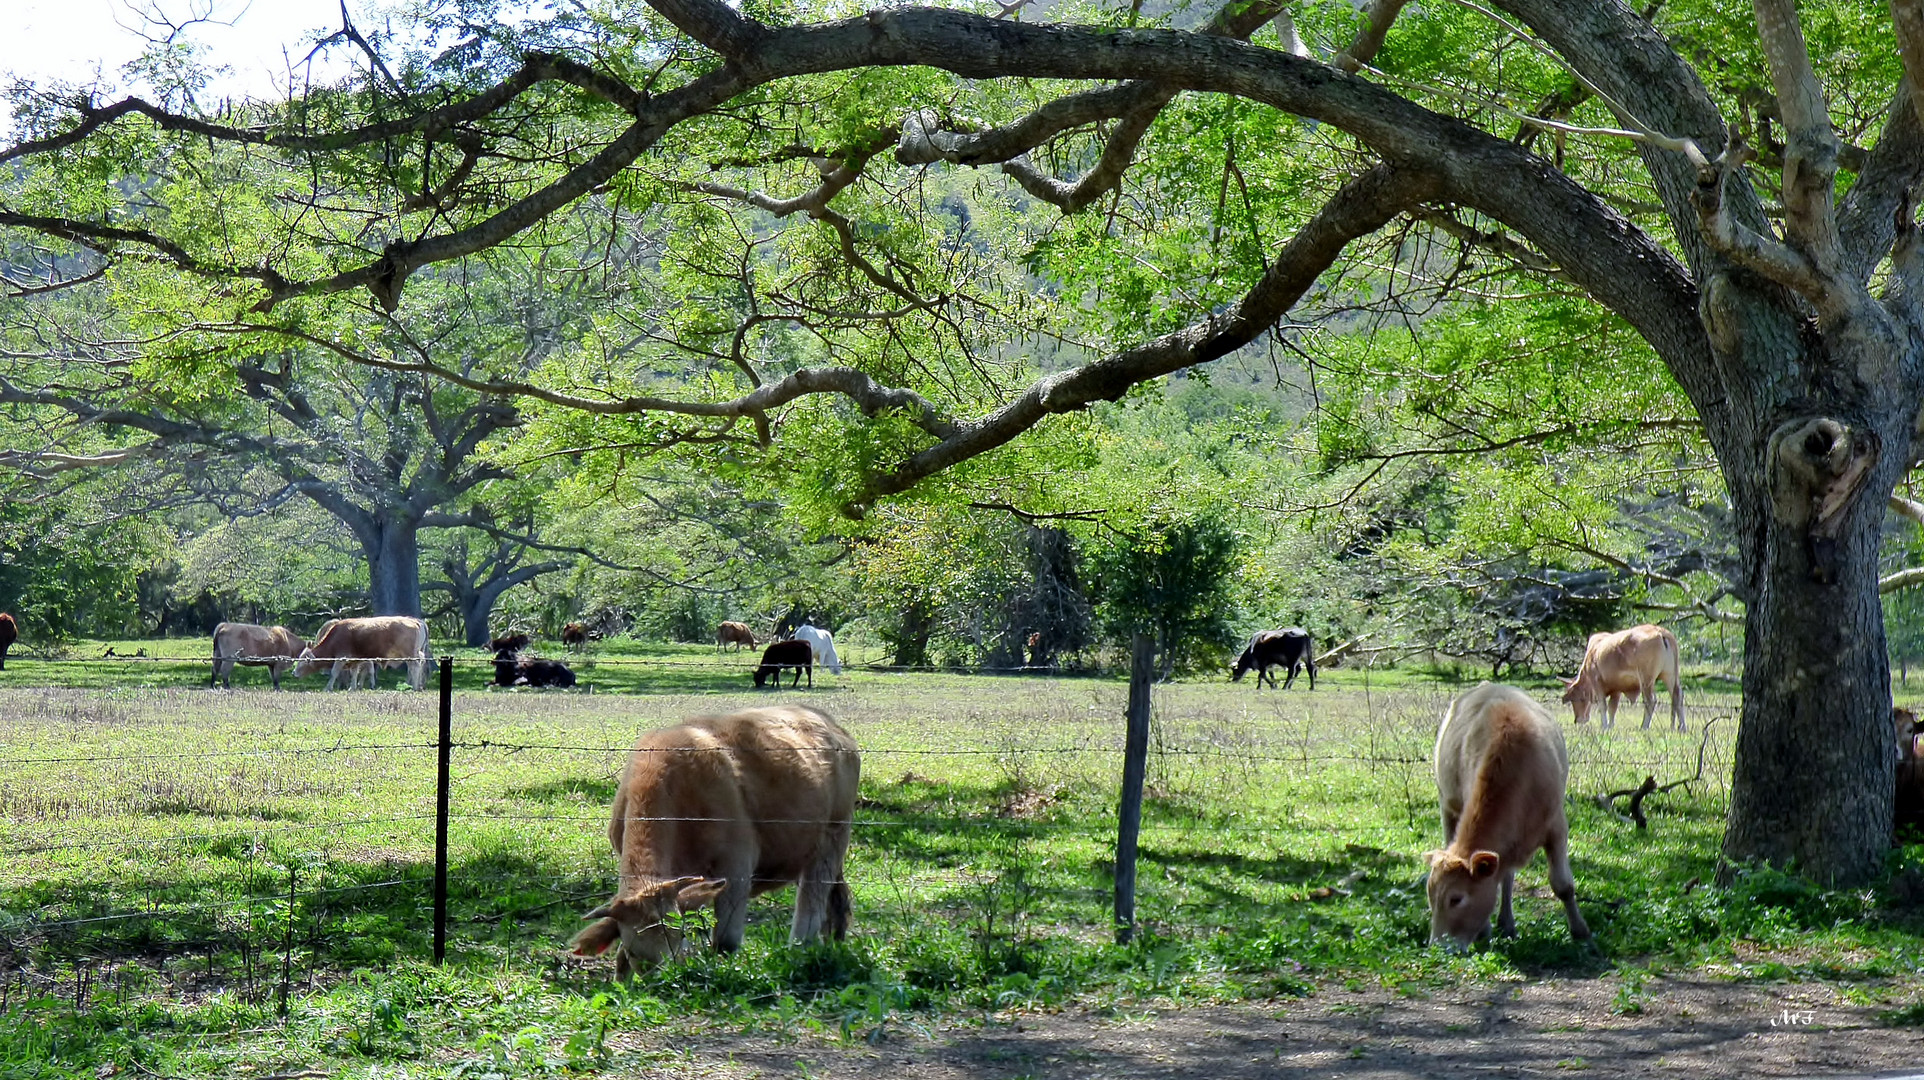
(1172, 579)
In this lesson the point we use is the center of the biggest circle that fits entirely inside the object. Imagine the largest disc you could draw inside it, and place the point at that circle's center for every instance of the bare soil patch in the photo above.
(1689, 1027)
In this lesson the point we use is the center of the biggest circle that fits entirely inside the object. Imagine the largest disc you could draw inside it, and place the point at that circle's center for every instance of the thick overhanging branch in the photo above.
(1361, 207)
(1134, 106)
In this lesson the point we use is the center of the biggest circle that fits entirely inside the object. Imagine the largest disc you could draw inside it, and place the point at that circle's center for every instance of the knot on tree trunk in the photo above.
(1818, 467)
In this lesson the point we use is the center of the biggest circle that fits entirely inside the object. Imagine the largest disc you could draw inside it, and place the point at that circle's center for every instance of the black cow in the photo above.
(796, 654)
(1291, 648)
(9, 633)
(513, 641)
(511, 670)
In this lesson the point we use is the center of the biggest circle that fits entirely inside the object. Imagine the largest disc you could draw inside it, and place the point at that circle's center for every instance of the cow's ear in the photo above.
(596, 939)
(602, 912)
(1483, 864)
(704, 892)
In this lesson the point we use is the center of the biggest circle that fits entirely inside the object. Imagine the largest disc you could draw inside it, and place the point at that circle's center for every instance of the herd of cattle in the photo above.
(363, 646)
(722, 808)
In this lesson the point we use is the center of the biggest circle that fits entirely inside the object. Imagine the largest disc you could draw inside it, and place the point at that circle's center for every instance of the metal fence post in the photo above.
(1135, 764)
(441, 812)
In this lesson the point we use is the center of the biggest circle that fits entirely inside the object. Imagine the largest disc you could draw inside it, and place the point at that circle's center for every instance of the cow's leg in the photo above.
(1609, 704)
(731, 911)
(1289, 678)
(1506, 917)
(1649, 702)
(1676, 702)
(1556, 850)
(333, 674)
(1310, 663)
(274, 672)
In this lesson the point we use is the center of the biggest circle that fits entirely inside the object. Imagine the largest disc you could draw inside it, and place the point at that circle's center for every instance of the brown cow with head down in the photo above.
(272, 647)
(1500, 774)
(1624, 664)
(9, 633)
(719, 810)
(369, 644)
(736, 634)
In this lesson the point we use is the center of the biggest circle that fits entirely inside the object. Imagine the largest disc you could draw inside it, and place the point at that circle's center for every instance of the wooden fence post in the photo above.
(1135, 764)
(441, 812)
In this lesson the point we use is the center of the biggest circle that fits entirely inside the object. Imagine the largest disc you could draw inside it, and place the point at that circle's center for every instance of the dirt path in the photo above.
(1688, 1028)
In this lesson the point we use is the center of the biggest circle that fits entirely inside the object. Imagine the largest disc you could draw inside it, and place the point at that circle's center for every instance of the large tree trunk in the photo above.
(394, 568)
(1812, 786)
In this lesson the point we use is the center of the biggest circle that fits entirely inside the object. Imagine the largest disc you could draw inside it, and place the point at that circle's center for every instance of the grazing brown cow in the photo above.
(370, 644)
(574, 635)
(736, 634)
(1624, 664)
(719, 810)
(513, 641)
(9, 633)
(793, 653)
(272, 647)
(1500, 774)
(1909, 808)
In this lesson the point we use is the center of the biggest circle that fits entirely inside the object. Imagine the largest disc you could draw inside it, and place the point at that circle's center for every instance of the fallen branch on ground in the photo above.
(1650, 786)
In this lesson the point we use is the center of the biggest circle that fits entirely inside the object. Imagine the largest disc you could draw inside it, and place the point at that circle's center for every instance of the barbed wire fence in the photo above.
(231, 910)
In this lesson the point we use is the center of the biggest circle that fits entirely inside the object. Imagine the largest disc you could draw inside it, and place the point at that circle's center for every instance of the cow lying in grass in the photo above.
(512, 670)
(1500, 774)
(718, 810)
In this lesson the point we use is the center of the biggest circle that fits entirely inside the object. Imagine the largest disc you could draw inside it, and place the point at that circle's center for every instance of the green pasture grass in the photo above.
(194, 879)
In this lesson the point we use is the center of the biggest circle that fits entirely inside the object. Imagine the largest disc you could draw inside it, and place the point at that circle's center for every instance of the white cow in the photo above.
(822, 643)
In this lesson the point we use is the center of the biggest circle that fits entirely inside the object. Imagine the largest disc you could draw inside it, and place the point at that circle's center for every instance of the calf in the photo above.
(9, 633)
(1290, 648)
(1908, 811)
(1500, 774)
(736, 634)
(793, 653)
(718, 810)
(272, 647)
(574, 635)
(1625, 664)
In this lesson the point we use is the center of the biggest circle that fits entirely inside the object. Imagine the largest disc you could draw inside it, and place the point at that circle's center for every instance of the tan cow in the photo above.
(368, 644)
(736, 634)
(718, 810)
(272, 647)
(1500, 773)
(1625, 664)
